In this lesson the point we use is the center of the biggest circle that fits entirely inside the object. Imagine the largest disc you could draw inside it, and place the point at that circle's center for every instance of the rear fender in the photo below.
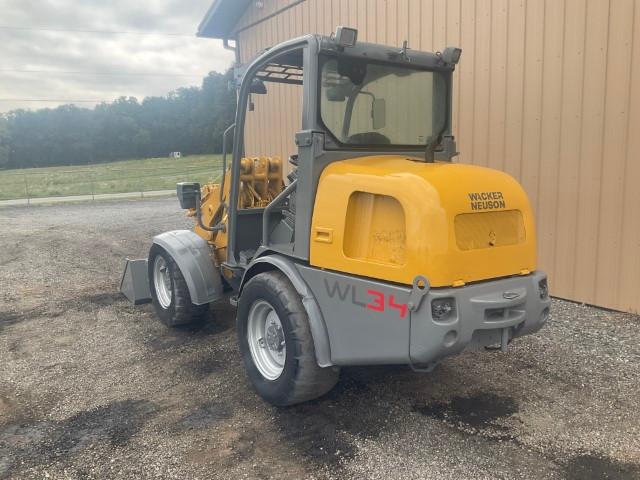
(316, 321)
(192, 255)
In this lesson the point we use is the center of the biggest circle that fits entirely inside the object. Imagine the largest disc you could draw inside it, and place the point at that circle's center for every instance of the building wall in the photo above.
(548, 91)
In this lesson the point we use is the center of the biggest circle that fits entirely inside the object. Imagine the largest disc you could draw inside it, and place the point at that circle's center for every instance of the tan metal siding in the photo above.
(547, 90)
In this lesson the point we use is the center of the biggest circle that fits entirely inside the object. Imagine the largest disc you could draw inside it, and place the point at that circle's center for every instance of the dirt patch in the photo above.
(185, 335)
(103, 299)
(44, 442)
(478, 412)
(205, 415)
(593, 467)
(315, 433)
(201, 368)
(10, 318)
(322, 430)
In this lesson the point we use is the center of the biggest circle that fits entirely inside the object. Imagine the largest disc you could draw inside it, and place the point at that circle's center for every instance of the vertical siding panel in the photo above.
(453, 40)
(547, 201)
(306, 26)
(596, 46)
(630, 252)
(339, 14)
(482, 102)
(403, 21)
(360, 17)
(514, 92)
(440, 24)
(415, 23)
(245, 41)
(320, 15)
(467, 76)
(615, 139)
(368, 32)
(426, 25)
(381, 23)
(359, 21)
(566, 182)
(327, 16)
(328, 19)
(299, 19)
(391, 20)
(498, 84)
(371, 35)
(532, 97)
(334, 17)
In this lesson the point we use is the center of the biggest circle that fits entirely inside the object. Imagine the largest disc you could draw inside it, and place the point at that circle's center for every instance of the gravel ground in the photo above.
(92, 387)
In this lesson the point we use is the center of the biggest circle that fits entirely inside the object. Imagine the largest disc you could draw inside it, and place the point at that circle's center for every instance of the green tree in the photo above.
(4, 143)
(190, 120)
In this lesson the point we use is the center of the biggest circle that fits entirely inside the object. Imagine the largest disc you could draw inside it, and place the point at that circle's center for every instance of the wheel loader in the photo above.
(375, 248)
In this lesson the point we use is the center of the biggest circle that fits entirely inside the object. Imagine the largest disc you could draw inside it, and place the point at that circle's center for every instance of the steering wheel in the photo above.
(369, 138)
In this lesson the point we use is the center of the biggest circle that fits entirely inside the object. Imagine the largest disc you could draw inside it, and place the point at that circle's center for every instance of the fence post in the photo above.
(141, 181)
(26, 189)
(93, 186)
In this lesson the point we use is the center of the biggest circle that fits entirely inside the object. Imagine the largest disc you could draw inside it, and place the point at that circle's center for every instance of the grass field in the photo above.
(116, 177)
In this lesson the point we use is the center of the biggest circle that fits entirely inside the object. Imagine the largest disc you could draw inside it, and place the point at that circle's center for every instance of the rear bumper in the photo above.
(486, 313)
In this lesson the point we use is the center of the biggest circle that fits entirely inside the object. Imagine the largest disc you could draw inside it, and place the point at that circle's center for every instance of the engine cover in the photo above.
(394, 218)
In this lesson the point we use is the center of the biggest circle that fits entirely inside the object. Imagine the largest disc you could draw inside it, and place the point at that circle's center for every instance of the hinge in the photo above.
(418, 291)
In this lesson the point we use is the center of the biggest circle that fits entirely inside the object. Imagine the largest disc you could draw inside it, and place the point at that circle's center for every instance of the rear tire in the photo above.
(282, 377)
(169, 291)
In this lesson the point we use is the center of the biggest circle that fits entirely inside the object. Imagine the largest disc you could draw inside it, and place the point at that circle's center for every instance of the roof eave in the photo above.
(221, 18)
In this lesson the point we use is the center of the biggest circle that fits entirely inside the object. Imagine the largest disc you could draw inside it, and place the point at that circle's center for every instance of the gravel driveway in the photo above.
(92, 387)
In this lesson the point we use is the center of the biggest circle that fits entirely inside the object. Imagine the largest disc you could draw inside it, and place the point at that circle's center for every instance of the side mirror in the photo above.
(258, 87)
(379, 113)
(188, 194)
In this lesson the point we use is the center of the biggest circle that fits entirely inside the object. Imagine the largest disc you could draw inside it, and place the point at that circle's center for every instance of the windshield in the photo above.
(381, 104)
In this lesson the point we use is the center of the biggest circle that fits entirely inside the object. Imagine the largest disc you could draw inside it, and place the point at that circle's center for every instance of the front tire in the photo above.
(271, 307)
(169, 291)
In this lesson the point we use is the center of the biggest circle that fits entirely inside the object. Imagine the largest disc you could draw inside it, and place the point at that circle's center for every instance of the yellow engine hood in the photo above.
(393, 218)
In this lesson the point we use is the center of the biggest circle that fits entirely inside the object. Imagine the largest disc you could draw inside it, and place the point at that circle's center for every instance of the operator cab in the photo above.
(354, 99)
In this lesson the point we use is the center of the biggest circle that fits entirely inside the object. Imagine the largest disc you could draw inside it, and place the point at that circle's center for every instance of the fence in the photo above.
(99, 181)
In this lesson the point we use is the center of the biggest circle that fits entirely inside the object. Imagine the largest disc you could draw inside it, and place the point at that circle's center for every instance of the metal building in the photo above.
(547, 90)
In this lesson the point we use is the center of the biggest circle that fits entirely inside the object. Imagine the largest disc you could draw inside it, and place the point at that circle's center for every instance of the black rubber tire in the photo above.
(301, 379)
(181, 310)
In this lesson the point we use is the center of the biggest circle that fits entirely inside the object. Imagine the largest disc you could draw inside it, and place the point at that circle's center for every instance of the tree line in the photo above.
(189, 120)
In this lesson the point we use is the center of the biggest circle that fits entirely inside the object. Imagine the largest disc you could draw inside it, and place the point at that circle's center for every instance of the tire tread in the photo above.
(182, 311)
(310, 380)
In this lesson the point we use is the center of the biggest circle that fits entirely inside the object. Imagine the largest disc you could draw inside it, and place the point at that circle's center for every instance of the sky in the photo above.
(104, 66)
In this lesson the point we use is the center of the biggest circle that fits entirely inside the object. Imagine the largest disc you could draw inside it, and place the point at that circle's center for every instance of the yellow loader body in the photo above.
(393, 218)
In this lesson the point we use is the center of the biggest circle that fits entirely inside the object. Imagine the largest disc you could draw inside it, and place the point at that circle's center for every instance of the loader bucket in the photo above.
(135, 281)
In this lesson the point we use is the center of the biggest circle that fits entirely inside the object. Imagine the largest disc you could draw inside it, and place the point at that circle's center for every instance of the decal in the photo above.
(487, 200)
(377, 301)
(402, 307)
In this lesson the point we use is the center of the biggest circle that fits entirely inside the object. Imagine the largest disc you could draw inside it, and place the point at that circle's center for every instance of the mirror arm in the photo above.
(221, 227)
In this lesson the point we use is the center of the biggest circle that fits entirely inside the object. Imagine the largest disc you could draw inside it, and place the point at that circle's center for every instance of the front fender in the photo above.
(192, 255)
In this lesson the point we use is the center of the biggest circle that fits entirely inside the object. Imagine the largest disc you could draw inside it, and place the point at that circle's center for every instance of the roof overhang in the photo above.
(222, 17)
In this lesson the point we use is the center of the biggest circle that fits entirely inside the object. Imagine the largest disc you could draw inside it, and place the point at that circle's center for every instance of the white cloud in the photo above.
(105, 54)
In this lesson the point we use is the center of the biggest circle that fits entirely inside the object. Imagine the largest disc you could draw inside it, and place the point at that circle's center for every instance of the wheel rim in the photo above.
(162, 281)
(266, 340)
